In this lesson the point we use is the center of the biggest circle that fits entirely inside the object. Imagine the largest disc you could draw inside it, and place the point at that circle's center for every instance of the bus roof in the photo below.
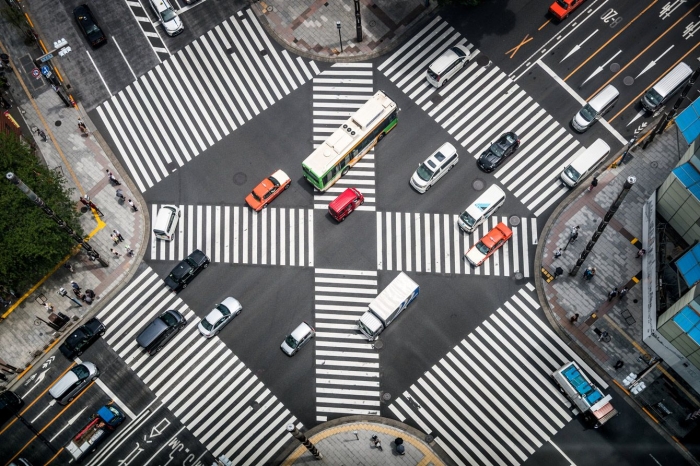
(337, 145)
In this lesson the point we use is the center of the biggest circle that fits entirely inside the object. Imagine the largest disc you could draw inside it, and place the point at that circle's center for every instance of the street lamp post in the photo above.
(12, 178)
(340, 38)
(62, 292)
(603, 223)
(358, 22)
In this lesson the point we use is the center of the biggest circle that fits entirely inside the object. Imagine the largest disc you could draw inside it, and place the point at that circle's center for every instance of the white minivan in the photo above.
(447, 65)
(595, 108)
(481, 209)
(166, 222)
(429, 172)
(584, 163)
(660, 92)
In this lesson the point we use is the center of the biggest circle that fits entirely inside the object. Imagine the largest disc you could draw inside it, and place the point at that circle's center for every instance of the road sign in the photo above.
(45, 70)
(35, 72)
(46, 57)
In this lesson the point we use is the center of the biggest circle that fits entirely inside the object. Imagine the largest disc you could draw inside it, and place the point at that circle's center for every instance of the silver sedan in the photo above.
(221, 315)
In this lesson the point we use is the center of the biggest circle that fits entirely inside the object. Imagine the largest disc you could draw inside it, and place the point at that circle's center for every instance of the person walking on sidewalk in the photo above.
(574, 233)
(557, 253)
(118, 235)
(574, 318)
(75, 285)
(114, 252)
(115, 238)
(594, 183)
(113, 179)
(81, 126)
(41, 134)
(612, 294)
(133, 207)
(623, 292)
(588, 273)
(641, 253)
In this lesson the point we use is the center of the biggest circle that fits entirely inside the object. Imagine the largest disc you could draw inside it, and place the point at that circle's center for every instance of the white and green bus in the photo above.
(349, 143)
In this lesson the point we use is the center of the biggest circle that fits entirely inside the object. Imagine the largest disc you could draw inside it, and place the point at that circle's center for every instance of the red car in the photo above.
(345, 203)
(489, 244)
(563, 8)
(268, 190)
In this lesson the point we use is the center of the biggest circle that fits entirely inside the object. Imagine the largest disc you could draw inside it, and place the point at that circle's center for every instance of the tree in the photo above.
(31, 243)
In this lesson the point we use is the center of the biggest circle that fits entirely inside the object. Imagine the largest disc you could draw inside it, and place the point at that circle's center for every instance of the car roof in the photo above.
(302, 330)
(343, 198)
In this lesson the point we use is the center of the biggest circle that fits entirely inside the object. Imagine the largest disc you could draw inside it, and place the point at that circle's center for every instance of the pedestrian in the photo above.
(68, 266)
(48, 306)
(574, 318)
(559, 271)
(90, 293)
(612, 294)
(75, 285)
(588, 273)
(113, 179)
(114, 252)
(76, 292)
(41, 134)
(400, 449)
(133, 207)
(129, 251)
(641, 253)
(603, 336)
(619, 364)
(87, 299)
(118, 235)
(574, 236)
(84, 201)
(115, 238)
(94, 206)
(120, 195)
(557, 253)
(377, 443)
(81, 126)
(594, 183)
(623, 292)
(575, 230)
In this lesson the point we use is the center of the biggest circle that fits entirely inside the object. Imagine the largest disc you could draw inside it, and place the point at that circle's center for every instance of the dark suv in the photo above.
(160, 331)
(186, 270)
(82, 338)
(89, 26)
(498, 152)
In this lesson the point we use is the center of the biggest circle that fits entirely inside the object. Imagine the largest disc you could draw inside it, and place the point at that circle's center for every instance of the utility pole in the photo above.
(358, 22)
(12, 178)
(302, 438)
(629, 182)
(340, 38)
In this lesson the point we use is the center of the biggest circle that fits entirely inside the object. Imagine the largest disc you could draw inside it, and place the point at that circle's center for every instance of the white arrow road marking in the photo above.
(51, 403)
(601, 68)
(48, 362)
(71, 421)
(653, 62)
(39, 378)
(578, 46)
(637, 117)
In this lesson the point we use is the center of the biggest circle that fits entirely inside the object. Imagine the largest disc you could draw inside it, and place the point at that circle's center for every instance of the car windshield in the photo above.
(424, 173)
(587, 113)
(653, 97)
(274, 181)
(458, 51)
(291, 342)
(224, 310)
(206, 324)
(467, 219)
(563, 4)
(571, 173)
(168, 15)
(481, 247)
(169, 319)
(255, 196)
(81, 371)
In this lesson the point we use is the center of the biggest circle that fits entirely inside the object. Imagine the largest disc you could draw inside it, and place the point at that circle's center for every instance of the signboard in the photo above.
(35, 73)
(45, 70)
(46, 57)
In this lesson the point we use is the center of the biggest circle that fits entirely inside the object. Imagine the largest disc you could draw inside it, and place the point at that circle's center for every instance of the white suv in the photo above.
(429, 172)
(167, 16)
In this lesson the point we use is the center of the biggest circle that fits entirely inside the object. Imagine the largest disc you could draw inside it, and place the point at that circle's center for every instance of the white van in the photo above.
(584, 163)
(447, 65)
(166, 222)
(481, 209)
(595, 108)
(429, 172)
(660, 92)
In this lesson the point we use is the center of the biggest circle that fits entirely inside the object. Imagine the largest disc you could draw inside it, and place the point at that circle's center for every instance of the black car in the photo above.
(89, 26)
(498, 152)
(186, 270)
(82, 338)
(10, 403)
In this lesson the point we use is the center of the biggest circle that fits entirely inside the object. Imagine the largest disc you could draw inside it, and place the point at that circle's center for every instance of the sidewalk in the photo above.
(615, 258)
(24, 334)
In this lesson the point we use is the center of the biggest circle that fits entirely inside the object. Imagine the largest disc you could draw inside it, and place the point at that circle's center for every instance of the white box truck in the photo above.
(387, 306)
(595, 406)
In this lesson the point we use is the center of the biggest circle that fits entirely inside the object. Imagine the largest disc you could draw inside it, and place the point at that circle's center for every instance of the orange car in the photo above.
(563, 8)
(489, 244)
(268, 190)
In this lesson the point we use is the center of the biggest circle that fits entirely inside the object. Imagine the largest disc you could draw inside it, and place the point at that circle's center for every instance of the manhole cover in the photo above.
(478, 184)
(254, 404)
(372, 23)
(518, 276)
(386, 396)
(429, 438)
(58, 123)
(483, 60)
(629, 80)
(379, 344)
(615, 67)
(654, 164)
(514, 220)
(239, 178)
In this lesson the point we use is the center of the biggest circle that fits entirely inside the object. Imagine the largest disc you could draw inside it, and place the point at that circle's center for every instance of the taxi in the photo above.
(268, 190)
(563, 8)
(489, 244)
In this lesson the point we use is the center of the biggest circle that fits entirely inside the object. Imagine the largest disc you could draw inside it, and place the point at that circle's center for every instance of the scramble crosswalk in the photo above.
(337, 94)
(478, 105)
(273, 236)
(185, 105)
(491, 400)
(434, 243)
(347, 365)
(222, 403)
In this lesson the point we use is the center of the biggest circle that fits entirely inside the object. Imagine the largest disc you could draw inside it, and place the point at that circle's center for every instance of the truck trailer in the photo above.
(387, 306)
(595, 406)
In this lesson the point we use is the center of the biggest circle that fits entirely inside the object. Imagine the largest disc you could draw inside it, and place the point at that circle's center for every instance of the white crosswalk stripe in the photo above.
(491, 400)
(273, 236)
(434, 243)
(204, 384)
(337, 94)
(185, 105)
(347, 365)
(478, 105)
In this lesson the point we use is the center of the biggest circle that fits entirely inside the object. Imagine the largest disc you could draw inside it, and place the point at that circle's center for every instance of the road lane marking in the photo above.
(610, 40)
(517, 47)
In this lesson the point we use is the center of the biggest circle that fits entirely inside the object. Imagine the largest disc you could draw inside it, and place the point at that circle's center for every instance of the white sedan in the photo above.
(221, 315)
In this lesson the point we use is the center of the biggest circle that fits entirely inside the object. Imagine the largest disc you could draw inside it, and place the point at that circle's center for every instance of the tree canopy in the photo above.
(31, 243)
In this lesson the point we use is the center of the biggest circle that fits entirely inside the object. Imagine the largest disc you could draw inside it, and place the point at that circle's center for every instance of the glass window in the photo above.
(686, 319)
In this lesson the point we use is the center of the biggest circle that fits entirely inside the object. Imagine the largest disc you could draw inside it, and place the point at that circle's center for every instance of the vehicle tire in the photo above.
(362, 201)
(428, 187)
(287, 187)
(158, 350)
(216, 334)
(70, 399)
(184, 285)
(381, 136)
(94, 378)
(342, 219)
(238, 312)
(78, 353)
(101, 333)
(264, 206)
(345, 171)
(205, 265)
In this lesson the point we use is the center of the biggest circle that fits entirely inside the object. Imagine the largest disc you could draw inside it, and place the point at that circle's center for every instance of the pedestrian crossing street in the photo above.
(491, 400)
(434, 243)
(337, 94)
(198, 96)
(347, 365)
(222, 403)
(235, 234)
(478, 105)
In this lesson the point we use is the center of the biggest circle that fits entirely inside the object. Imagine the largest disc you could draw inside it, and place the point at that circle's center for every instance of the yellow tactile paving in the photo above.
(428, 458)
